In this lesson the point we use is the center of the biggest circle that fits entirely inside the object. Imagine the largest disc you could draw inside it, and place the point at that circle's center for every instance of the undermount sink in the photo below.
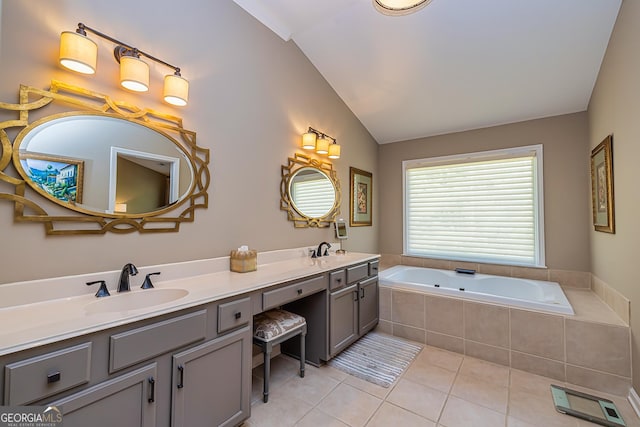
(135, 300)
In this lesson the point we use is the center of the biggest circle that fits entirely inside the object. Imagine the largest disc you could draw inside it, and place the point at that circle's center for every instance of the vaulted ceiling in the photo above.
(454, 65)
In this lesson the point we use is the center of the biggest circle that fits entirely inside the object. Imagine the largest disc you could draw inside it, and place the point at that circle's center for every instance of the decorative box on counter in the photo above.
(244, 260)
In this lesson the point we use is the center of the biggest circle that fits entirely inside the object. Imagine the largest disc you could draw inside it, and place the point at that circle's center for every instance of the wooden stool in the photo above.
(273, 327)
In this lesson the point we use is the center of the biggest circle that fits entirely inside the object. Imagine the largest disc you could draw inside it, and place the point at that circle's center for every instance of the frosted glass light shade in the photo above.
(334, 151)
(176, 90)
(134, 74)
(78, 53)
(399, 7)
(322, 146)
(309, 141)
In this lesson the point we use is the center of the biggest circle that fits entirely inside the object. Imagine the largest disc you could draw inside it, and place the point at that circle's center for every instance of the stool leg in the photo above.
(267, 373)
(302, 355)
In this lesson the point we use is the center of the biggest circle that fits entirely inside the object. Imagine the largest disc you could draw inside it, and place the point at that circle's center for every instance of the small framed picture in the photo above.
(602, 186)
(58, 177)
(360, 197)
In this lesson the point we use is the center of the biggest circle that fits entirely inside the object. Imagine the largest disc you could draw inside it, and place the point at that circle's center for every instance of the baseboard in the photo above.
(634, 400)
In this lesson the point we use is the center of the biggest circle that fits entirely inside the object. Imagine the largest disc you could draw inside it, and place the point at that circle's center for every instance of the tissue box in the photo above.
(244, 261)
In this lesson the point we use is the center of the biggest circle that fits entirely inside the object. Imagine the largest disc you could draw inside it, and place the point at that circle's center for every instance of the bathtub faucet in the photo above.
(319, 250)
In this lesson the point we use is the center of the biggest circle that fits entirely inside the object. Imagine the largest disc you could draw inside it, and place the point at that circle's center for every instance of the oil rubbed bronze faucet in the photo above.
(128, 270)
(319, 250)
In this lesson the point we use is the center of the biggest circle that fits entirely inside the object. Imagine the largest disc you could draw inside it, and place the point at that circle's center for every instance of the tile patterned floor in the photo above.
(440, 388)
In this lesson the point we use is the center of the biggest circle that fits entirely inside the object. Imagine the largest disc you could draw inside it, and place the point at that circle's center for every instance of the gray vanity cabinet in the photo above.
(125, 401)
(368, 305)
(212, 382)
(353, 310)
(343, 318)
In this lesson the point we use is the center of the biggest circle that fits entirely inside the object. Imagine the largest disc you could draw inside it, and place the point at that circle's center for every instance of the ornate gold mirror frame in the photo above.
(300, 220)
(30, 206)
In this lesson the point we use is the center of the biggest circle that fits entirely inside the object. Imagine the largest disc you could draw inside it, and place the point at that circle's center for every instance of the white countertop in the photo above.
(45, 311)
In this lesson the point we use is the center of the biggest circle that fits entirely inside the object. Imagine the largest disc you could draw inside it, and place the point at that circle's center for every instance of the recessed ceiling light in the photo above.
(399, 7)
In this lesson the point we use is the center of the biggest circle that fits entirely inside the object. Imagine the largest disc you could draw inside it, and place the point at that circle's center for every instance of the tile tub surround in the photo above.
(567, 279)
(591, 349)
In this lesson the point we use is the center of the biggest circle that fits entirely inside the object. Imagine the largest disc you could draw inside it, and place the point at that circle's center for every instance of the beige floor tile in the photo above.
(477, 390)
(487, 371)
(312, 388)
(460, 413)
(431, 376)
(531, 383)
(390, 415)
(537, 410)
(332, 372)
(278, 412)
(514, 422)
(317, 418)
(350, 405)
(366, 386)
(441, 358)
(418, 398)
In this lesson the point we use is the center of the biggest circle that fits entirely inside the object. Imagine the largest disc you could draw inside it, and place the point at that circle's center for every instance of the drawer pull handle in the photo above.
(339, 280)
(181, 372)
(299, 291)
(53, 377)
(361, 293)
(238, 315)
(355, 293)
(152, 390)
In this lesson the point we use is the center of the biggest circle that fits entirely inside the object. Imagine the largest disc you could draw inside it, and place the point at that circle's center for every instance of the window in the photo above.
(479, 207)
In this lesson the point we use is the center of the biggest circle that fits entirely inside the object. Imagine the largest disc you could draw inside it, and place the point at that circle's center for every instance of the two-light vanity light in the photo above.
(80, 53)
(321, 143)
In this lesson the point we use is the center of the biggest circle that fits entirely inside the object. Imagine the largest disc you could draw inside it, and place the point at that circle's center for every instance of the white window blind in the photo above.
(483, 207)
(313, 198)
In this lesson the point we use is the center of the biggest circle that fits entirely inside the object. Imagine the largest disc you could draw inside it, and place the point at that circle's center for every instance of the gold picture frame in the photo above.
(55, 177)
(602, 200)
(360, 197)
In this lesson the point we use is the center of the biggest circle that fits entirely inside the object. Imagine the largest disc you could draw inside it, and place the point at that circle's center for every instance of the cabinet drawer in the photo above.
(233, 314)
(277, 297)
(373, 268)
(36, 378)
(131, 347)
(357, 273)
(337, 279)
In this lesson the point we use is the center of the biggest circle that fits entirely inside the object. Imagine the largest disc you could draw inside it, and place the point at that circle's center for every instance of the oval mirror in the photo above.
(310, 192)
(100, 164)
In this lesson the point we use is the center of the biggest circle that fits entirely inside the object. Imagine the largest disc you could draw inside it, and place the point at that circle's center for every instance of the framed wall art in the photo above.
(360, 197)
(602, 186)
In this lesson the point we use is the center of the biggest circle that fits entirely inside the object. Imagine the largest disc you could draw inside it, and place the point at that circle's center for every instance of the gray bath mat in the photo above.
(377, 358)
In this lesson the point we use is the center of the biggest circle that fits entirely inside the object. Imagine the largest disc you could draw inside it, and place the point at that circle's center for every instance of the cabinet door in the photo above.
(212, 382)
(343, 319)
(368, 311)
(125, 401)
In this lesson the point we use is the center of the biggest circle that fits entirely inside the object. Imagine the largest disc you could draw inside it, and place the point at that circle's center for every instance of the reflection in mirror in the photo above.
(312, 192)
(119, 167)
(117, 162)
(309, 192)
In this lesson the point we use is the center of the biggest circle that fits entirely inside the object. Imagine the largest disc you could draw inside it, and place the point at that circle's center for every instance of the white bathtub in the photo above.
(514, 292)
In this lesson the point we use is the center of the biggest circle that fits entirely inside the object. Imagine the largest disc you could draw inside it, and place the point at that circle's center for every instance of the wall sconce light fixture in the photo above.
(79, 53)
(321, 142)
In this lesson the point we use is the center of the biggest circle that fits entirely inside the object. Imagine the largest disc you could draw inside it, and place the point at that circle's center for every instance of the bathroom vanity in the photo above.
(181, 362)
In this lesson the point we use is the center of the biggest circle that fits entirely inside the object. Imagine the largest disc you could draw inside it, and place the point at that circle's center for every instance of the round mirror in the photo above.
(309, 192)
(312, 192)
(99, 164)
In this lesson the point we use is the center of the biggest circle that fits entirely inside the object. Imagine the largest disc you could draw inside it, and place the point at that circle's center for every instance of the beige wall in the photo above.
(566, 180)
(615, 109)
(251, 97)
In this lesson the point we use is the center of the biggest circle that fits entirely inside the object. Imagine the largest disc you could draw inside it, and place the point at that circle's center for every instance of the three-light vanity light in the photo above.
(79, 53)
(321, 142)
